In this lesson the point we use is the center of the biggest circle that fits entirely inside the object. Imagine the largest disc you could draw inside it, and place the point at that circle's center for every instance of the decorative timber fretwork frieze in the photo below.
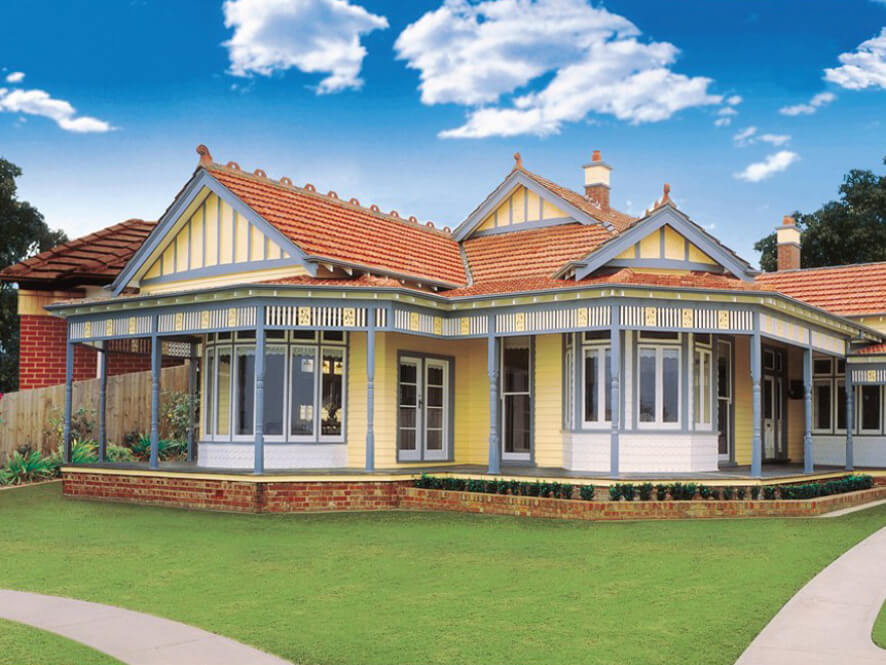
(868, 375)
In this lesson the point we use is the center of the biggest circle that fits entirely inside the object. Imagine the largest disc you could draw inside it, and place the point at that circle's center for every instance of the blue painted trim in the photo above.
(715, 388)
(493, 372)
(370, 390)
(614, 354)
(524, 226)
(223, 269)
(259, 426)
(850, 421)
(670, 264)
(156, 361)
(69, 399)
(756, 400)
(687, 353)
(808, 465)
(666, 215)
(102, 402)
(192, 390)
(495, 199)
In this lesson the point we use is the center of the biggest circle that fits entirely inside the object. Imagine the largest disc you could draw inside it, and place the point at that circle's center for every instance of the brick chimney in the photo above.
(788, 236)
(597, 180)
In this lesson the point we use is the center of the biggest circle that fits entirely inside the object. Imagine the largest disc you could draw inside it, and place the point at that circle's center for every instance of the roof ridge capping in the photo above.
(285, 183)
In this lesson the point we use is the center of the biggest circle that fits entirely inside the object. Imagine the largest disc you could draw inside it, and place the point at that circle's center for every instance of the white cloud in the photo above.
(722, 122)
(745, 136)
(727, 110)
(726, 113)
(310, 35)
(15, 77)
(38, 102)
(734, 100)
(480, 54)
(775, 139)
(814, 104)
(862, 68)
(773, 164)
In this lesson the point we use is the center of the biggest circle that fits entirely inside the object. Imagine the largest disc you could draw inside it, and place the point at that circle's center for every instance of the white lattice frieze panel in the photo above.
(828, 343)
(869, 376)
(548, 320)
(419, 322)
(381, 317)
(788, 331)
(291, 316)
(686, 317)
(111, 327)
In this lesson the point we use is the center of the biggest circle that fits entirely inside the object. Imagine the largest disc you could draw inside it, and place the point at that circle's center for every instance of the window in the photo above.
(658, 368)
(829, 396)
(568, 383)
(869, 408)
(701, 385)
(840, 398)
(597, 372)
(822, 367)
(822, 399)
(304, 388)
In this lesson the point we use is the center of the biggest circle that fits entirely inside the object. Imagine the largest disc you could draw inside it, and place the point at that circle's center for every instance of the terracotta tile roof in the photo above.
(329, 228)
(619, 220)
(852, 290)
(625, 276)
(366, 281)
(870, 350)
(537, 252)
(91, 260)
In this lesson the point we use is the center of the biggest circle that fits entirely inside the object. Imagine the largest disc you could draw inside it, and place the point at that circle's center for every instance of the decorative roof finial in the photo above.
(667, 194)
(205, 157)
(518, 161)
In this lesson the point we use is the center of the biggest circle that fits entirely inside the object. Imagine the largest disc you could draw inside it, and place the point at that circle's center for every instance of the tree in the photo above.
(23, 233)
(851, 230)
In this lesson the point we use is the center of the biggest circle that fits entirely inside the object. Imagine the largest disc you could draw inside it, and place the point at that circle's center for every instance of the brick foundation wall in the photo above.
(182, 490)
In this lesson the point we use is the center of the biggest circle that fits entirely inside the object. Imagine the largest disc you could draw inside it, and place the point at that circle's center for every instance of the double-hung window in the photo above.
(702, 390)
(597, 379)
(870, 399)
(658, 389)
(828, 395)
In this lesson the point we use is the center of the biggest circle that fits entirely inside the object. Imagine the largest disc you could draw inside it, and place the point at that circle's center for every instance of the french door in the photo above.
(423, 431)
(516, 399)
(773, 403)
(724, 401)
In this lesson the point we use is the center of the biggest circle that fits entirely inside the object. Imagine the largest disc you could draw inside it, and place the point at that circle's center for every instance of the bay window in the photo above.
(304, 387)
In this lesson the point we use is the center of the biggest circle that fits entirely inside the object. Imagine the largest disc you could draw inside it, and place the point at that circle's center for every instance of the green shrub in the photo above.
(755, 492)
(661, 492)
(769, 492)
(728, 493)
(680, 492)
(475, 485)
(175, 412)
(741, 493)
(115, 453)
(645, 491)
(534, 488)
(704, 491)
(167, 449)
(515, 487)
(586, 492)
(614, 492)
(566, 490)
(28, 468)
(422, 482)
(82, 452)
(502, 486)
(83, 425)
(628, 491)
(715, 493)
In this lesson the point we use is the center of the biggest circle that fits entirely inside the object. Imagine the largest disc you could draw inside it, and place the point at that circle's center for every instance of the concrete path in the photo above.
(830, 619)
(853, 509)
(131, 637)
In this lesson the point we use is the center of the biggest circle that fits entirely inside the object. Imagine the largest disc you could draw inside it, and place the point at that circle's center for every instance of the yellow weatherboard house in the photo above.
(547, 331)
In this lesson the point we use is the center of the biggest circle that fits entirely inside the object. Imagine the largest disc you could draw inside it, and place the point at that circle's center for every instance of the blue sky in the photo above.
(426, 120)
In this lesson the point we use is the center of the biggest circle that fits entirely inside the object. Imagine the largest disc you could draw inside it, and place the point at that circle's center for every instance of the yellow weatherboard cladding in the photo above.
(210, 234)
(548, 400)
(523, 205)
(666, 243)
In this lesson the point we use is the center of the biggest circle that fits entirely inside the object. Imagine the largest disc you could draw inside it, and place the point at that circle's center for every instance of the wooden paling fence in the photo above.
(33, 417)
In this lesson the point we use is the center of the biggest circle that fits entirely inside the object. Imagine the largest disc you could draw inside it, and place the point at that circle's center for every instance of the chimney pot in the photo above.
(788, 239)
(596, 156)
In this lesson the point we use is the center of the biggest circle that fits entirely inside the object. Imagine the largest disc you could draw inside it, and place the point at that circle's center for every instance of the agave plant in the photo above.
(166, 448)
(83, 451)
(25, 469)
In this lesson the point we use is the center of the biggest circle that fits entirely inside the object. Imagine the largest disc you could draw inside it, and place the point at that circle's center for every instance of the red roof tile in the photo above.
(870, 350)
(328, 228)
(852, 290)
(91, 260)
(537, 252)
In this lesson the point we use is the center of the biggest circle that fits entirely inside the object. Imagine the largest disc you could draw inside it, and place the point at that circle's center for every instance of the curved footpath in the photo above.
(131, 637)
(831, 618)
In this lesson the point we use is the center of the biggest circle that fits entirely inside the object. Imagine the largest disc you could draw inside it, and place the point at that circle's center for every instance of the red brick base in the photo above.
(251, 495)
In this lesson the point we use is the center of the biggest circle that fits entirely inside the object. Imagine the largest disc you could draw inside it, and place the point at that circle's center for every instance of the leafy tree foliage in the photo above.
(851, 230)
(23, 233)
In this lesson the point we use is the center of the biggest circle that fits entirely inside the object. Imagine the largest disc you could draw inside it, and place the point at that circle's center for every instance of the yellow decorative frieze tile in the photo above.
(688, 318)
(722, 319)
(520, 321)
(581, 317)
(109, 327)
(438, 325)
(465, 323)
(650, 316)
(349, 317)
(179, 320)
(204, 319)
(304, 316)
(413, 321)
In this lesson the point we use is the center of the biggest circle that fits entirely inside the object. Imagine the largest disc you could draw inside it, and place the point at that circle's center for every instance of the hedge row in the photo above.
(512, 487)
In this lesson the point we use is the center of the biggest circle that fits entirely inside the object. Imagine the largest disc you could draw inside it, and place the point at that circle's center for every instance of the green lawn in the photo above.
(879, 633)
(20, 645)
(428, 588)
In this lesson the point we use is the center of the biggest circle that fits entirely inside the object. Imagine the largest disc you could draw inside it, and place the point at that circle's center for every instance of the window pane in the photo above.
(210, 390)
(301, 389)
(591, 387)
(840, 396)
(821, 366)
(435, 396)
(870, 407)
(696, 386)
(275, 377)
(332, 391)
(245, 390)
(516, 369)
(607, 391)
(823, 406)
(408, 372)
(333, 336)
(724, 382)
(517, 419)
(434, 439)
(223, 421)
(407, 439)
(647, 385)
(670, 366)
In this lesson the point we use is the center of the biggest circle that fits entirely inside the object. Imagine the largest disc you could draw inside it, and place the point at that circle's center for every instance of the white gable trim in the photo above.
(666, 215)
(500, 193)
(194, 191)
